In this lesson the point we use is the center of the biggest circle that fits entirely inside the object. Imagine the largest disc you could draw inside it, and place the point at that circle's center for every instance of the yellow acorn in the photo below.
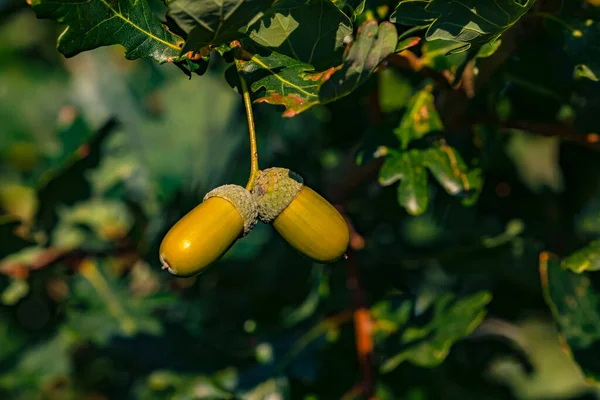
(307, 221)
(205, 233)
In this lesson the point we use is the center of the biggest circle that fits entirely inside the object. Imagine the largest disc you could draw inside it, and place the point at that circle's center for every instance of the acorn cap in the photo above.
(242, 200)
(274, 189)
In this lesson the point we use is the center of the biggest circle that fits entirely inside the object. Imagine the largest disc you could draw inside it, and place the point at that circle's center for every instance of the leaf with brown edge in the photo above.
(449, 169)
(372, 45)
(281, 80)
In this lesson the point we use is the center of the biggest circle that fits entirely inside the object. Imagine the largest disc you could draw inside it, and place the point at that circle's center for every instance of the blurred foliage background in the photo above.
(101, 155)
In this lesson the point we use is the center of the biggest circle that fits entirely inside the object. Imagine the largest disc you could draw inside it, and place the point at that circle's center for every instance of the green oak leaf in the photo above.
(581, 44)
(95, 23)
(449, 169)
(425, 342)
(408, 168)
(419, 119)
(213, 23)
(575, 305)
(311, 31)
(471, 23)
(281, 80)
(103, 307)
(585, 259)
(372, 45)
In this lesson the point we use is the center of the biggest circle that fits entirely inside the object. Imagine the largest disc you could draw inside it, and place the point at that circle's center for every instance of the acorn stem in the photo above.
(252, 131)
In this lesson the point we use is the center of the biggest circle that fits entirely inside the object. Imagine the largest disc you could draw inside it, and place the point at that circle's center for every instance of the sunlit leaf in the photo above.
(17, 289)
(214, 23)
(448, 167)
(408, 168)
(537, 160)
(575, 304)
(468, 22)
(19, 201)
(281, 80)
(419, 119)
(407, 43)
(312, 31)
(96, 23)
(586, 259)
(372, 45)
(426, 341)
(435, 55)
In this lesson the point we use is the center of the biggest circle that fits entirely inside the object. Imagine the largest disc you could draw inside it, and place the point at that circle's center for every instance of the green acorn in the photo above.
(307, 221)
(205, 233)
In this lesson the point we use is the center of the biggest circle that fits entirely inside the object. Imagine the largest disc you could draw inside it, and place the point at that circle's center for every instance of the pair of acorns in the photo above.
(307, 221)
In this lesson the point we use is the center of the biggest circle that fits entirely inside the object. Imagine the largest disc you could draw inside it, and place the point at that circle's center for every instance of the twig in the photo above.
(590, 140)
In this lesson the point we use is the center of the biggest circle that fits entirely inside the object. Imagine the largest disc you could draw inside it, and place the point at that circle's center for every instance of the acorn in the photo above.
(205, 233)
(307, 221)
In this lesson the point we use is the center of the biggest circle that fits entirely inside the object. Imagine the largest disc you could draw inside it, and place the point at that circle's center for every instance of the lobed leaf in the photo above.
(426, 342)
(213, 23)
(95, 23)
(408, 168)
(575, 305)
(468, 22)
(372, 45)
(282, 80)
(312, 32)
(447, 166)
